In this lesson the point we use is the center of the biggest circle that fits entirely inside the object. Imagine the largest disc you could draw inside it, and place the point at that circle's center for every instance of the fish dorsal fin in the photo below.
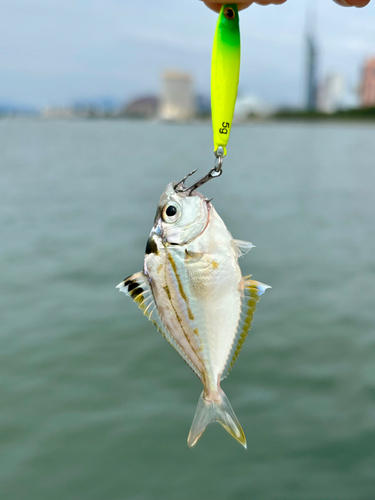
(252, 292)
(139, 289)
(242, 247)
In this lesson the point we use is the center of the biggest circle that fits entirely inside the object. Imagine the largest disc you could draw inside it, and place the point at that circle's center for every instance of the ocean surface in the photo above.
(95, 404)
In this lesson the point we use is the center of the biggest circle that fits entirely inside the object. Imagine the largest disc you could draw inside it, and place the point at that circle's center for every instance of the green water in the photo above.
(95, 405)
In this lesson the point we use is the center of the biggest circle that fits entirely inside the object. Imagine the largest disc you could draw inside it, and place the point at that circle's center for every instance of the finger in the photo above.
(358, 3)
(352, 3)
(269, 2)
(216, 6)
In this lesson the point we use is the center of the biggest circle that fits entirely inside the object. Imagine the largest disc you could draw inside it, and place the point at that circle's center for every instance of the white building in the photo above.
(50, 113)
(177, 97)
(332, 93)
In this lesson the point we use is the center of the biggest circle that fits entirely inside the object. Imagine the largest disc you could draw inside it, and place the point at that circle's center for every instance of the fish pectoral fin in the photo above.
(193, 255)
(252, 292)
(242, 247)
(138, 287)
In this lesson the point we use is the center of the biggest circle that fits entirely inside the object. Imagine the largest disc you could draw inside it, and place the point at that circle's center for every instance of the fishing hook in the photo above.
(216, 171)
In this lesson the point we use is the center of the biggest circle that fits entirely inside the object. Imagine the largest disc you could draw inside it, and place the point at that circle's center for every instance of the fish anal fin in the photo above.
(138, 287)
(252, 292)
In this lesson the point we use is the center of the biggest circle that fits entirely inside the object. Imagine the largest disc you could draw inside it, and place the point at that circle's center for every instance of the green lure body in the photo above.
(225, 73)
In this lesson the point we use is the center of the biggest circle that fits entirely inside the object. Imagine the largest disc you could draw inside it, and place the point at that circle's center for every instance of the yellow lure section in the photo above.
(225, 73)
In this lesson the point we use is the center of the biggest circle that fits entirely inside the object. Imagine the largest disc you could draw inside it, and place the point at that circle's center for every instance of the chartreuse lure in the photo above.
(225, 72)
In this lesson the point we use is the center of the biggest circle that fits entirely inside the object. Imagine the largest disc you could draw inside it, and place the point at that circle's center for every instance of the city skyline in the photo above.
(85, 49)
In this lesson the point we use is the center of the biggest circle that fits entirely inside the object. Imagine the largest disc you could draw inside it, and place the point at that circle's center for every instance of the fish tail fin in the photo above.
(215, 411)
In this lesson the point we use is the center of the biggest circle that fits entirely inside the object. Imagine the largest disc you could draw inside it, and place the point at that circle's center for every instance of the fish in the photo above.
(192, 290)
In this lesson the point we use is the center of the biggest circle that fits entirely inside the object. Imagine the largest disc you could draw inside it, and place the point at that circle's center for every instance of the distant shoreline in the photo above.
(318, 118)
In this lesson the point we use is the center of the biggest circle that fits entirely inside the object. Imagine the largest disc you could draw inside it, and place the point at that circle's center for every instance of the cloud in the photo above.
(60, 51)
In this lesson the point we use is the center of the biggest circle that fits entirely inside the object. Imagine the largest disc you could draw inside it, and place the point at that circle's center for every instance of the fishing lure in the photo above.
(225, 73)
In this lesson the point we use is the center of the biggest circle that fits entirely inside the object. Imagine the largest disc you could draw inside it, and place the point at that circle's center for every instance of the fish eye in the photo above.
(171, 212)
(229, 13)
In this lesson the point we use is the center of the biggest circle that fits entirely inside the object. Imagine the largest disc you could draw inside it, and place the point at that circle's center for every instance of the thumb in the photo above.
(352, 3)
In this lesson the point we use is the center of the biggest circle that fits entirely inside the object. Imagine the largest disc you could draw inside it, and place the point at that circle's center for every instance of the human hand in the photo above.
(352, 3)
(243, 4)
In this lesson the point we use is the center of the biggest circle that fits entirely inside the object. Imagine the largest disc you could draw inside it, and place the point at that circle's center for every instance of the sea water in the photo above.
(95, 404)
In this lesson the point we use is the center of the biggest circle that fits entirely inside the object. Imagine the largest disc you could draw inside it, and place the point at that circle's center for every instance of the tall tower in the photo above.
(311, 62)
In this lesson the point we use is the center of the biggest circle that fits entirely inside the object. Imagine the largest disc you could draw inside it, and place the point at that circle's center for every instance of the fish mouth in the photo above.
(154, 238)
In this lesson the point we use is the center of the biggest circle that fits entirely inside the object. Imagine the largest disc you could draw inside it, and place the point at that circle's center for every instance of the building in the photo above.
(368, 84)
(311, 70)
(203, 106)
(177, 97)
(311, 57)
(51, 113)
(331, 93)
(142, 107)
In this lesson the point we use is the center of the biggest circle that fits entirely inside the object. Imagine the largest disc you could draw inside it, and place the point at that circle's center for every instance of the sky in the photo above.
(56, 52)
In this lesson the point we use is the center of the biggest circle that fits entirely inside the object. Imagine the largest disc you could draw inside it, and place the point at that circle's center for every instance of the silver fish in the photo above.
(192, 289)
